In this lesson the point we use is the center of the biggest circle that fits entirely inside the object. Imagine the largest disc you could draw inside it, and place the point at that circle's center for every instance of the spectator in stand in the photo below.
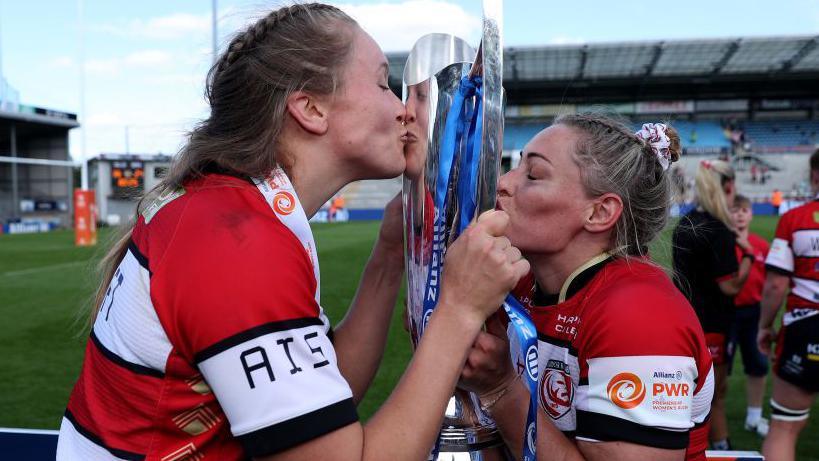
(754, 171)
(746, 318)
(707, 273)
(776, 198)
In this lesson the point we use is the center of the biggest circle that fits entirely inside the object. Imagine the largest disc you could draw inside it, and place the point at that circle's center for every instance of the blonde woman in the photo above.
(623, 369)
(707, 272)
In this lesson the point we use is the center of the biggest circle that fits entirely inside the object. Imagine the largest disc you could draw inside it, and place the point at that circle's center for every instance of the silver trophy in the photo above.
(434, 74)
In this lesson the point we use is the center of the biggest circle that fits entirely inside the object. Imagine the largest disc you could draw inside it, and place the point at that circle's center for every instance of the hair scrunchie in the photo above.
(654, 134)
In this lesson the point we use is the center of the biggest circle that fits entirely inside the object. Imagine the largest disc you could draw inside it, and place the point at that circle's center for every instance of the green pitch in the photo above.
(46, 285)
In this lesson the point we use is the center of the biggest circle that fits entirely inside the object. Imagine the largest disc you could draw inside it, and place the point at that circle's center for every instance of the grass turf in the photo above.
(46, 282)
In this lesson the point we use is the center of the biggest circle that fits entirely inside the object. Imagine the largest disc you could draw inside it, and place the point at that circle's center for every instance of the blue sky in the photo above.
(146, 61)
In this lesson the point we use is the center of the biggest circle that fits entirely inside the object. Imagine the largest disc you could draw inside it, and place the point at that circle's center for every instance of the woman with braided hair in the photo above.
(208, 339)
(623, 369)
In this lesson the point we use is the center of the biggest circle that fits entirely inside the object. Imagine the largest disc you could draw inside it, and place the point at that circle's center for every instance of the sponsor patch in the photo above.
(556, 389)
(626, 390)
(649, 390)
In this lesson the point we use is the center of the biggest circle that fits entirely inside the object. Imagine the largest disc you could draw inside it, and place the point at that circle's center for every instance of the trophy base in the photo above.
(468, 434)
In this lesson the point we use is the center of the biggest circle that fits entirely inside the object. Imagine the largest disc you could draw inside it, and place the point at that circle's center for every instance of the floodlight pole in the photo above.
(214, 21)
(1, 46)
(83, 118)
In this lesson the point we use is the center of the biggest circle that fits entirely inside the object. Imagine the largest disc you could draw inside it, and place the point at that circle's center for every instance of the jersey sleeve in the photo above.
(237, 295)
(723, 261)
(645, 376)
(780, 257)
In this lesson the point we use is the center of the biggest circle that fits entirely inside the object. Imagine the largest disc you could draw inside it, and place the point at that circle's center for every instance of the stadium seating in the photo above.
(781, 133)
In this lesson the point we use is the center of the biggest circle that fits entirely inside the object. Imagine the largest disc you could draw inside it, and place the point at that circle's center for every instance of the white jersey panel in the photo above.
(780, 255)
(651, 390)
(73, 446)
(806, 243)
(275, 377)
(558, 393)
(806, 288)
(701, 404)
(127, 324)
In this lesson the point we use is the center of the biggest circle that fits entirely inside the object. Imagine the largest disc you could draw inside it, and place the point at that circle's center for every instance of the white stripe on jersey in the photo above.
(701, 405)
(127, 324)
(650, 390)
(780, 255)
(73, 446)
(275, 377)
(806, 243)
(559, 396)
(797, 314)
(806, 289)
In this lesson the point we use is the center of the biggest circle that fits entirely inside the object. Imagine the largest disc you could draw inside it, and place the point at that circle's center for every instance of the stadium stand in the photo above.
(781, 133)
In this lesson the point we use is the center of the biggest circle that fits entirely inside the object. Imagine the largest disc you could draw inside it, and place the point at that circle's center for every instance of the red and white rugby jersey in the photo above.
(210, 343)
(795, 252)
(622, 358)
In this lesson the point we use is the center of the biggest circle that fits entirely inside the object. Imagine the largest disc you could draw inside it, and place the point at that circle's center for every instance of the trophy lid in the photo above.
(433, 52)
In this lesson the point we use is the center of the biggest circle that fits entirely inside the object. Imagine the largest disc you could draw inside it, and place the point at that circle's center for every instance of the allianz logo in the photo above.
(665, 375)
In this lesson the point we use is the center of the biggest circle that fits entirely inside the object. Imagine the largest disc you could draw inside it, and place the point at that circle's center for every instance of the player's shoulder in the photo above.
(216, 216)
(804, 216)
(637, 288)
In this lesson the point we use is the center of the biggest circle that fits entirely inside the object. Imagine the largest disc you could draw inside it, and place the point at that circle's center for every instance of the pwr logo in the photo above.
(670, 389)
(626, 390)
(284, 203)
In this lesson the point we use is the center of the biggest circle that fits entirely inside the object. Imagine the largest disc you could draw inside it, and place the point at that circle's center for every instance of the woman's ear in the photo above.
(604, 213)
(309, 111)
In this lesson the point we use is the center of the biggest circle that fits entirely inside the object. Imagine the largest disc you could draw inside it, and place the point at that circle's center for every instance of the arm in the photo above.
(612, 451)
(776, 286)
(725, 262)
(360, 338)
(489, 374)
(732, 286)
(481, 269)
(421, 397)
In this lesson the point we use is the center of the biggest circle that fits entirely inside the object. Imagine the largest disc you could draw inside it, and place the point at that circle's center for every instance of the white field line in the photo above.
(35, 270)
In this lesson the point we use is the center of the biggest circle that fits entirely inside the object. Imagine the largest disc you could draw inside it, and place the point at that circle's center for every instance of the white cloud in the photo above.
(172, 26)
(396, 26)
(566, 40)
(147, 58)
(62, 62)
(106, 67)
(104, 119)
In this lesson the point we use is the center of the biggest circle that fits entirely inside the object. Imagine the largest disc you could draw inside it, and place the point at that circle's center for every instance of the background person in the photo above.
(616, 339)
(210, 342)
(707, 273)
(744, 327)
(793, 269)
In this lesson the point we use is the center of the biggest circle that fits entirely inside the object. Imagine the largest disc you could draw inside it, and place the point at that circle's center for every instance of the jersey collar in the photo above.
(574, 283)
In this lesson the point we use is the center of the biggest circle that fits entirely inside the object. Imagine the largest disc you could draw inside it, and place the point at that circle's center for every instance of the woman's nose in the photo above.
(410, 111)
(505, 184)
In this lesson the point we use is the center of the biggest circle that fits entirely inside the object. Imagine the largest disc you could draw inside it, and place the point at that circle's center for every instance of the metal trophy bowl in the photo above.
(434, 74)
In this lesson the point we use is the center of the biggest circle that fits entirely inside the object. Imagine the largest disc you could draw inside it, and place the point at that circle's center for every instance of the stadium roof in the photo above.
(653, 61)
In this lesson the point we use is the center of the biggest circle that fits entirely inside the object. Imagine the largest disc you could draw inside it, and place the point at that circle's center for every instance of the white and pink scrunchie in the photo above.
(655, 135)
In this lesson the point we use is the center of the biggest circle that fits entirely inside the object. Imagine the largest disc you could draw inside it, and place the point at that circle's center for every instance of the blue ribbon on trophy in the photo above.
(462, 119)
(526, 333)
